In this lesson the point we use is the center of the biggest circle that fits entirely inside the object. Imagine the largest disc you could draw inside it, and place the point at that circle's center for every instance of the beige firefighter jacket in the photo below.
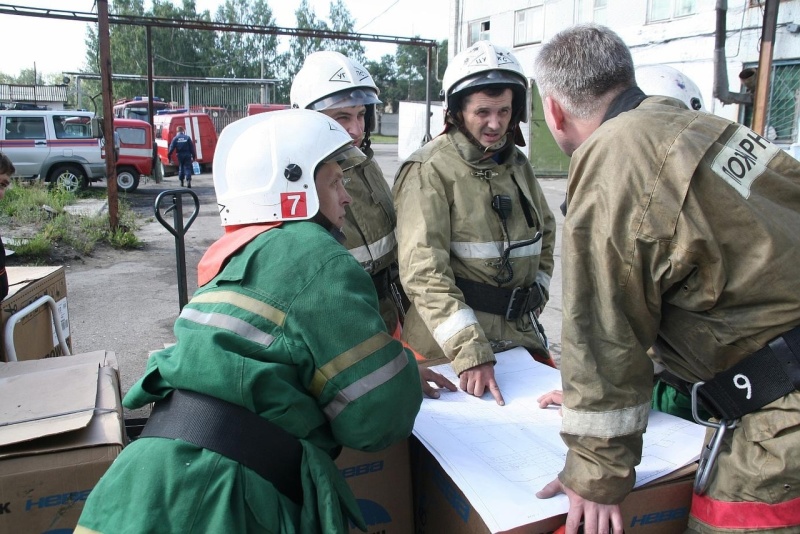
(369, 226)
(682, 235)
(446, 228)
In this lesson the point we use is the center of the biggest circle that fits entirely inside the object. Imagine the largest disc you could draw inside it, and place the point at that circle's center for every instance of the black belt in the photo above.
(511, 303)
(766, 375)
(383, 280)
(233, 432)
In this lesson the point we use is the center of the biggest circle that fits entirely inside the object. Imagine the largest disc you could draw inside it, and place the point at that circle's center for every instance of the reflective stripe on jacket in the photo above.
(289, 329)
(447, 228)
(680, 235)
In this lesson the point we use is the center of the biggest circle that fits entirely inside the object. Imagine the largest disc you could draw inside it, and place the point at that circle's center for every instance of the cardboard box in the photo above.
(60, 429)
(34, 335)
(381, 482)
(661, 507)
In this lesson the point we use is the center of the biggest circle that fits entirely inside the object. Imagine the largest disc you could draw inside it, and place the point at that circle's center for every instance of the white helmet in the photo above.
(330, 80)
(485, 65)
(664, 80)
(264, 165)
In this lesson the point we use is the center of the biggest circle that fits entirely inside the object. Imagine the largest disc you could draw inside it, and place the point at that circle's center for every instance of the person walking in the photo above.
(680, 237)
(475, 235)
(282, 357)
(183, 147)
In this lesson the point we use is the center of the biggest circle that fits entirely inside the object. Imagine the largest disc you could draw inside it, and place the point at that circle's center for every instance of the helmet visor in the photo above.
(347, 99)
(488, 78)
(347, 157)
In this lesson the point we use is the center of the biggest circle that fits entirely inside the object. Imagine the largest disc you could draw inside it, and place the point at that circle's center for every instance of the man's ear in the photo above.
(556, 112)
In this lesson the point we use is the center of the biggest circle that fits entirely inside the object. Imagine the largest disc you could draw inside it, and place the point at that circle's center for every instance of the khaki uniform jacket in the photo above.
(369, 226)
(446, 228)
(681, 234)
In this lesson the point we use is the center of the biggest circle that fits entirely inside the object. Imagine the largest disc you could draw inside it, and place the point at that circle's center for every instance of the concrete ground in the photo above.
(127, 301)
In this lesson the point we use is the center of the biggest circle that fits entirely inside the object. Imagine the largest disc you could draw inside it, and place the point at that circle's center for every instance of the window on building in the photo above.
(478, 31)
(661, 10)
(591, 11)
(783, 107)
(529, 25)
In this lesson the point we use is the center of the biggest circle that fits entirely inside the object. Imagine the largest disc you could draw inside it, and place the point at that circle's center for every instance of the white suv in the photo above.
(61, 147)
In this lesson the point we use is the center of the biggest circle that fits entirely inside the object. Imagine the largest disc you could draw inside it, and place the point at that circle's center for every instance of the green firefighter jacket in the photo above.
(446, 228)
(681, 235)
(369, 227)
(290, 330)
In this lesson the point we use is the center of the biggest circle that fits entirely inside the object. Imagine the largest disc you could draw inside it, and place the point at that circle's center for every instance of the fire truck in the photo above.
(136, 107)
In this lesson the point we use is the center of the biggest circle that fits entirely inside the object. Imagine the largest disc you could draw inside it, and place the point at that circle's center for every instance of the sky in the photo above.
(58, 45)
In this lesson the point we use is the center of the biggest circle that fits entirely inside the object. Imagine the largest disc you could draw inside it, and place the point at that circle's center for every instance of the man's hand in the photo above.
(597, 518)
(551, 397)
(478, 379)
(427, 375)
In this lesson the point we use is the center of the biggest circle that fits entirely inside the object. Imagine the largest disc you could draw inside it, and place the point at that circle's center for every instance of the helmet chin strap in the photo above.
(324, 222)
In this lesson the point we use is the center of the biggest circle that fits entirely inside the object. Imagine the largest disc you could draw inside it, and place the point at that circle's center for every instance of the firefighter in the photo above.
(281, 359)
(474, 231)
(680, 237)
(344, 90)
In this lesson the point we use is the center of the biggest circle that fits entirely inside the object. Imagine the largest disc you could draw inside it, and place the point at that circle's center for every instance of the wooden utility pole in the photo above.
(761, 97)
(108, 112)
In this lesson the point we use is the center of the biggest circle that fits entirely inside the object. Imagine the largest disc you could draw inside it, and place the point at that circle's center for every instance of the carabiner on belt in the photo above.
(711, 450)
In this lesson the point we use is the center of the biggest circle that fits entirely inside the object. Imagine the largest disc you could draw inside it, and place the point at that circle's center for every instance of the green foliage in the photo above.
(37, 247)
(195, 53)
(23, 206)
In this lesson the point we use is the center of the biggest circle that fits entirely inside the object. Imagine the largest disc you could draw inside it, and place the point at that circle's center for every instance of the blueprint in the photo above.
(500, 456)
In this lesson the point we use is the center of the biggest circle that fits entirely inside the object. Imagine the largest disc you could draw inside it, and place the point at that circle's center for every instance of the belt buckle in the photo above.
(517, 292)
(708, 458)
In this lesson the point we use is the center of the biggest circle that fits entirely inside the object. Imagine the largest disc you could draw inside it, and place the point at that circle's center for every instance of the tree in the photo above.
(300, 47)
(245, 55)
(343, 21)
(384, 72)
(411, 66)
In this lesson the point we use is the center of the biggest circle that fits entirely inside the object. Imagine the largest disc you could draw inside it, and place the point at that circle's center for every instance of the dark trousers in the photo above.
(185, 168)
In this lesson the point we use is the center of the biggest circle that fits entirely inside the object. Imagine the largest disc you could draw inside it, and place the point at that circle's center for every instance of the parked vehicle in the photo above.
(60, 147)
(136, 153)
(198, 126)
(254, 109)
(136, 107)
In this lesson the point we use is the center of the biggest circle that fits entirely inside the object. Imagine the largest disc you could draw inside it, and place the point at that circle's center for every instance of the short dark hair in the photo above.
(6, 167)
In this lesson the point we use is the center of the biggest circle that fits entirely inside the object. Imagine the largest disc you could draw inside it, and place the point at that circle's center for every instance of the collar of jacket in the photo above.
(625, 101)
(367, 152)
(218, 253)
(475, 157)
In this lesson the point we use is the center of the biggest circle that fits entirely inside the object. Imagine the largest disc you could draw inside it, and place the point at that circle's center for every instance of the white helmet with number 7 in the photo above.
(264, 165)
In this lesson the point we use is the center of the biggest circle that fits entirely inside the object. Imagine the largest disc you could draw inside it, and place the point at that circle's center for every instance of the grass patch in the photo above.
(383, 139)
(35, 212)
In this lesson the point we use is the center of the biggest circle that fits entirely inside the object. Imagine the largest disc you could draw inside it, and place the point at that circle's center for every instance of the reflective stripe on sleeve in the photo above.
(492, 249)
(454, 324)
(374, 251)
(244, 302)
(346, 359)
(605, 424)
(743, 515)
(226, 322)
(363, 386)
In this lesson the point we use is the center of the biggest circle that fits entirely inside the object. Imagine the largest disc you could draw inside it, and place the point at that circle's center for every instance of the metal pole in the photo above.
(108, 111)
(428, 96)
(765, 67)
